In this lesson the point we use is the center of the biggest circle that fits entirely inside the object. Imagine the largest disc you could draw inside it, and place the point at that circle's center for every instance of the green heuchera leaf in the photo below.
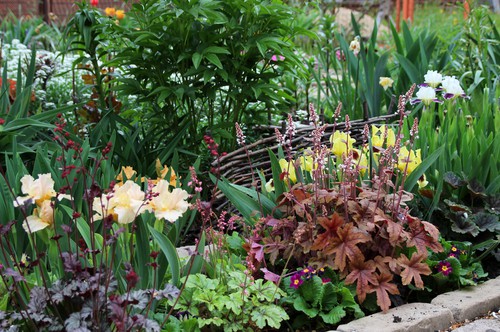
(209, 297)
(267, 291)
(270, 315)
(236, 280)
(235, 303)
(217, 321)
(201, 281)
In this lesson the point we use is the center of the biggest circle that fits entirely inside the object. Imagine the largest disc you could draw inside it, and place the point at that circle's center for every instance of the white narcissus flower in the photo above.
(125, 203)
(37, 190)
(269, 186)
(355, 46)
(386, 82)
(452, 88)
(168, 205)
(422, 182)
(42, 217)
(433, 78)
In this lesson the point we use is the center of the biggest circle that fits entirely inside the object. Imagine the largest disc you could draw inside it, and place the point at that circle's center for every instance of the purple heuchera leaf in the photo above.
(14, 274)
(169, 292)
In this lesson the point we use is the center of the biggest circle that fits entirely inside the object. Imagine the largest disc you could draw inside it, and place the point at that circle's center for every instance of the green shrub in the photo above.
(205, 65)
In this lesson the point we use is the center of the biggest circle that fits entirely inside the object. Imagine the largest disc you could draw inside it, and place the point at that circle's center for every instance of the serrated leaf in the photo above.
(486, 221)
(333, 316)
(453, 180)
(300, 304)
(269, 315)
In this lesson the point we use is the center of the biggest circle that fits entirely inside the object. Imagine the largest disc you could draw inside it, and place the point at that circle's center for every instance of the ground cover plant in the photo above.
(116, 129)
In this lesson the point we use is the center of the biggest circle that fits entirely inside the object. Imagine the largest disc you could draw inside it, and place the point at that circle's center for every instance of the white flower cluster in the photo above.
(51, 68)
(450, 87)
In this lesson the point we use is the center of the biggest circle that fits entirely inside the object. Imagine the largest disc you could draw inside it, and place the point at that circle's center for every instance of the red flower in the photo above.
(131, 277)
(94, 2)
(2, 121)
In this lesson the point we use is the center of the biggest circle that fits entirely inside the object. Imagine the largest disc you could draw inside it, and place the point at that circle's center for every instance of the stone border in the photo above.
(441, 313)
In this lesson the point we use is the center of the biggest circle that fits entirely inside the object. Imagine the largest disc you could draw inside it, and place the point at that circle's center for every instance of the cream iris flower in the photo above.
(452, 88)
(42, 217)
(168, 205)
(37, 190)
(426, 95)
(341, 143)
(124, 204)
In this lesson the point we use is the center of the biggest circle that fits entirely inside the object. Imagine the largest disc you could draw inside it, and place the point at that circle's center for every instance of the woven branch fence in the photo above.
(235, 165)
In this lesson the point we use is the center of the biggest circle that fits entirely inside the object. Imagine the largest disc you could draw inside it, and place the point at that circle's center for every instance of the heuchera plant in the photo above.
(346, 215)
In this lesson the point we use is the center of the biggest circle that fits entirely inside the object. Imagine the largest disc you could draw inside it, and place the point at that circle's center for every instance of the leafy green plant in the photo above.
(457, 266)
(414, 56)
(325, 215)
(97, 226)
(23, 129)
(202, 64)
(318, 293)
(475, 53)
(233, 301)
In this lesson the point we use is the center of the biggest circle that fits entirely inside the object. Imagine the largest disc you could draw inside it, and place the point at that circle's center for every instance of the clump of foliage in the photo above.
(85, 298)
(318, 293)
(343, 215)
(233, 301)
(203, 64)
(99, 245)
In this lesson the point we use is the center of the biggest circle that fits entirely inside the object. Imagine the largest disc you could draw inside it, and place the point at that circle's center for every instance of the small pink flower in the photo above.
(277, 58)
(340, 55)
(94, 2)
(2, 121)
